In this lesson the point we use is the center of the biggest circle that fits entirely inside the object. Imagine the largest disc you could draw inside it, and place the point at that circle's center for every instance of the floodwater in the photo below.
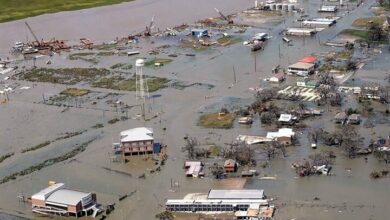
(26, 122)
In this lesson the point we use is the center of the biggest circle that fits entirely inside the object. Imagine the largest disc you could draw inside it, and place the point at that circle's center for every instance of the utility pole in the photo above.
(255, 61)
(234, 75)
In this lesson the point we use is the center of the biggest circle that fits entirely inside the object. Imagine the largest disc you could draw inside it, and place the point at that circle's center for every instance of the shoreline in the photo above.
(105, 23)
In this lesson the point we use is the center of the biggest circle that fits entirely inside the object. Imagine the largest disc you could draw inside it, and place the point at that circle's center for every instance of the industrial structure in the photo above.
(58, 200)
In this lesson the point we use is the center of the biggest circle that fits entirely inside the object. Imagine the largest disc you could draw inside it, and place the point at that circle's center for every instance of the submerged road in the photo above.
(108, 22)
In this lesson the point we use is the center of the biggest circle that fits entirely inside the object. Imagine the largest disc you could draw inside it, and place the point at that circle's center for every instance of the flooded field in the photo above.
(196, 80)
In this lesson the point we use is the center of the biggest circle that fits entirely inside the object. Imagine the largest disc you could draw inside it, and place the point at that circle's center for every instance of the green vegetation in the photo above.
(214, 151)
(18, 9)
(46, 143)
(161, 61)
(76, 56)
(119, 83)
(105, 53)
(113, 121)
(215, 120)
(122, 66)
(69, 76)
(228, 40)
(74, 92)
(84, 56)
(361, 34)
(36, 147)
(79, 148)
(4, 157)
(99, 125)
(364, 22)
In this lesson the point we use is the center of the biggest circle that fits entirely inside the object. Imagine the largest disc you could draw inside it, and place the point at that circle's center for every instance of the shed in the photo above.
(340, 117)
(354, 119)
(279, 77)
(301, 69)
(200, 33)
(230, 166)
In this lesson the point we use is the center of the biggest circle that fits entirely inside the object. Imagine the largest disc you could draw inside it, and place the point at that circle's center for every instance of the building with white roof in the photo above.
(58, 200)
(137, 141)
(220, 201)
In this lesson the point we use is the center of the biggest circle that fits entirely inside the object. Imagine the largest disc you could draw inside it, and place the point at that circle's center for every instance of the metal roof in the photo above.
(137, 134)
(236, 194)
(45, 193)
(67, 197)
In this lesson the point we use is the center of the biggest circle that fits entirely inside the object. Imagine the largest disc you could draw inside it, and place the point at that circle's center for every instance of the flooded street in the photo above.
(348, 194)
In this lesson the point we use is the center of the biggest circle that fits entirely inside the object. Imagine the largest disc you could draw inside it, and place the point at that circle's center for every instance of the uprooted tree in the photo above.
(242, 153)
(274, 148)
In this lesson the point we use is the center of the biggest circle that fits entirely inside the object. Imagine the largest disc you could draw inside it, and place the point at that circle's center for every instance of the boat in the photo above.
(130, 53)
(29, 50)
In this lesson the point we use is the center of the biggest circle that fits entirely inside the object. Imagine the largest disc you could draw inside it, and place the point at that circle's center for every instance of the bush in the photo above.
(267, 118)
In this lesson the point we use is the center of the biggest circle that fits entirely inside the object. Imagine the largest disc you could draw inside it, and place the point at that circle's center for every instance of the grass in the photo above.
(36, 147)
(4, 157)
(113, 121)
(17, 9)
(213, 120)
(228, 40)
(361, 34)
(122, 66)
(119, 83)
(46, 143)
(363, 22)
(74, 92)
(69, 76)
(161, 61)
(97, 126)
(106, 53)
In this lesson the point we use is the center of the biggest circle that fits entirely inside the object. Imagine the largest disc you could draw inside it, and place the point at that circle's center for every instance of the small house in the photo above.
(193, 168)
(277, 78)
(284, 136)
(354, 119)
(340, 117)
(199, 33)
(230, 166)
(286, 119)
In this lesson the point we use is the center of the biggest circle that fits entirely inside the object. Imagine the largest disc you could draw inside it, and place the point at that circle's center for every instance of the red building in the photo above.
(230, 166)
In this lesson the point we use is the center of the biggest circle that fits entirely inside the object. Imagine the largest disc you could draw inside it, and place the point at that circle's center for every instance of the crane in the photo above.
(32, 33)
(149, 28)
(223, 16)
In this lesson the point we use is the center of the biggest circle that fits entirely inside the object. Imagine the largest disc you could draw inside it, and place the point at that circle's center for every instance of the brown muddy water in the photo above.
(27, 122)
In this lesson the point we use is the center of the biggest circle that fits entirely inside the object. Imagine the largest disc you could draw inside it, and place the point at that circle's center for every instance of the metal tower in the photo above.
(141, 85)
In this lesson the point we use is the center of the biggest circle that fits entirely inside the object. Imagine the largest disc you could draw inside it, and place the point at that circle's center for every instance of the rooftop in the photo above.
(45, 193)
(285, 117)
(67, 197)
(308, 59)
(236, 194)
(137, 134)
(301, 65)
